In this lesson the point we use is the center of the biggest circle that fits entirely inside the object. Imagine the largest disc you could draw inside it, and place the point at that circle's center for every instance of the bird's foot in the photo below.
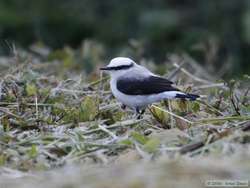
(139, 113)
(138, 116)
(123, 106)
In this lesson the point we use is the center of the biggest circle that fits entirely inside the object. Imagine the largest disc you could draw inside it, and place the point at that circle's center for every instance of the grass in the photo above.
(57, 121)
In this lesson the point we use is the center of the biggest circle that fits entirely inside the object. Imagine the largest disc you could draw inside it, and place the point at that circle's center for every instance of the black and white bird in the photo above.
(136, 87)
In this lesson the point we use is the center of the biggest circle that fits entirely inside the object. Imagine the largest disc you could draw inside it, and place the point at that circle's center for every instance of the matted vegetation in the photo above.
(55, 114)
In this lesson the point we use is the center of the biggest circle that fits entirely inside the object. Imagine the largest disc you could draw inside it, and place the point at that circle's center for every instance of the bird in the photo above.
(136, 87)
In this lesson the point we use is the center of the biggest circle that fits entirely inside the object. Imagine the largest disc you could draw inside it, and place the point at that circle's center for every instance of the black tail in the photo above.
(192, 97)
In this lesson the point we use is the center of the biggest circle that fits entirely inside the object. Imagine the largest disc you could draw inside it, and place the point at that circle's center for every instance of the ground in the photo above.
(61, 127)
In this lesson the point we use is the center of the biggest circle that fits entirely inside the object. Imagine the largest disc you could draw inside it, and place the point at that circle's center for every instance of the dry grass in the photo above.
(54, 116)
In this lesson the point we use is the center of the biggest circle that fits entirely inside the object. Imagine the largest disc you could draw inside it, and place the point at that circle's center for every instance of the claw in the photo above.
(123, 106)
(139, 113)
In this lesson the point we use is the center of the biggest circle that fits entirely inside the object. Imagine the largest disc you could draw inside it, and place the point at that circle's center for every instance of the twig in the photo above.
(98, 81)
(171, 117)
(9, 113)
(209, 140)
(116, 125)
(198, 67)
(191, 147)
(74, 92)
(211, 107)
(219, 119)
(1, 89)
(109, 106)
(236, 107)
(174, 72)
(221, 85)
(171, 113)
(244, 100)
(192, 76)
(215, 136)
(104, 129)
(36, 108)
(28, 104)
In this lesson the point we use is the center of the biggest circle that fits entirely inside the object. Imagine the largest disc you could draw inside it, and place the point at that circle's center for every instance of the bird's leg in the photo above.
(142, 111)
(139, 113)
(123, 106)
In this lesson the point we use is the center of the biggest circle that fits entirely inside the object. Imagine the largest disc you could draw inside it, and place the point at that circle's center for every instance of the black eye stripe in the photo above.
(122, 67)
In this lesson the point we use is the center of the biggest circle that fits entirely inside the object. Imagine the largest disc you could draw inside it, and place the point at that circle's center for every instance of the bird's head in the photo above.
(119, 66)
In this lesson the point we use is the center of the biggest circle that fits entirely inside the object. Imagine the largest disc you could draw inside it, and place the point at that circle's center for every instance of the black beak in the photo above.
(105, 68)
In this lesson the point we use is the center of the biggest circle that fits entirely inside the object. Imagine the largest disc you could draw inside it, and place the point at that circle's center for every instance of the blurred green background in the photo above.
(214, 32)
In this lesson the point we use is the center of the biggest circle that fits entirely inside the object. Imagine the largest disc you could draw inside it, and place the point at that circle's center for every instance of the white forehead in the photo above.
(118, 61)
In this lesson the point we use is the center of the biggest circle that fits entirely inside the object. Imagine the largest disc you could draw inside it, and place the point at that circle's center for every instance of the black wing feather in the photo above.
(145, 86)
